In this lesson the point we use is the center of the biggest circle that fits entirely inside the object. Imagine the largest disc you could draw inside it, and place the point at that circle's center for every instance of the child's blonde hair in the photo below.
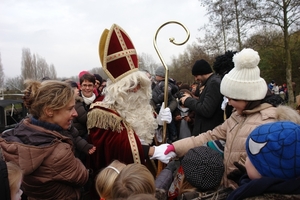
(133, 179)
(106, 177)
(15, 175)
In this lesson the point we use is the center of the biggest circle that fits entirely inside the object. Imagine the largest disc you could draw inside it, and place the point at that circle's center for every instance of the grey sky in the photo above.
(66, 33)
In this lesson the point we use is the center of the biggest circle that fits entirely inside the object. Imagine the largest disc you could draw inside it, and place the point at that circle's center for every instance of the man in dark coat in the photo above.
(208, 107)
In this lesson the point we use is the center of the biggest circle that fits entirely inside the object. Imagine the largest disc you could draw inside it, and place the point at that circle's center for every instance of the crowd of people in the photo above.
(228, 134)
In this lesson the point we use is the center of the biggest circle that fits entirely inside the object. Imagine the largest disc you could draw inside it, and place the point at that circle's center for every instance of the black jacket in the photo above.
(208, 107)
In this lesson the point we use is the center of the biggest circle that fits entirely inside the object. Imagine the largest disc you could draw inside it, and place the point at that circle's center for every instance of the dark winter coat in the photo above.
(80, 144)
(158, 95)
(80, 121)
(252, 188)
(208, 107)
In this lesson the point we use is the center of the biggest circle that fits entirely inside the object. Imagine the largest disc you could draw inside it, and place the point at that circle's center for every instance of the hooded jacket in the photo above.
(50, 169)
(235, 131)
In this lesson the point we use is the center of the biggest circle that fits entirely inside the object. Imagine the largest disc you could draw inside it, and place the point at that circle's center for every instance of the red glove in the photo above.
(170, 148)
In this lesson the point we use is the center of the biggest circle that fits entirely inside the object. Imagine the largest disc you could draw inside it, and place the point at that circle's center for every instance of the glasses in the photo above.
(87, 85)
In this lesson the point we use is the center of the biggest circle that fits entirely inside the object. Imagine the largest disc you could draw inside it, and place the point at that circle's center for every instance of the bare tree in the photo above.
(229, 25)
(36, 67)
(52, 71)
(1, 74)
(27, 70)
(16, 83)
(285, 15)
(147, 62)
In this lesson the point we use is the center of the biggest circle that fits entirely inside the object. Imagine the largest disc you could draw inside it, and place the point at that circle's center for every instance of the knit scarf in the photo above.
(88, 100)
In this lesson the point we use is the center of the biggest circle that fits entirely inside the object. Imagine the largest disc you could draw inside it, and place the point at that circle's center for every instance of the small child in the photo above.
(133, 179)
(184, 118)
(106, 178)
(273, 162)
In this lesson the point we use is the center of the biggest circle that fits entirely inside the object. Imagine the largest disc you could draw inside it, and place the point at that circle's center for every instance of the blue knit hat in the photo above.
(274, 149)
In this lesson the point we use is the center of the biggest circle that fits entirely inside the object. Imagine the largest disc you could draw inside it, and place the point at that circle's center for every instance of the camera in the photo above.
(180, 95)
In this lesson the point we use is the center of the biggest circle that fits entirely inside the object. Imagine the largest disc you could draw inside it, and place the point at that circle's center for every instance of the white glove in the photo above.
(159, 153)
(164, 115)
(224, 103)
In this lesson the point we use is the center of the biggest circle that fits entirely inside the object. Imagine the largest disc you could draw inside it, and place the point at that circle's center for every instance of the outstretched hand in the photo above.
(236, 174)
(159, 153)
(170, 148)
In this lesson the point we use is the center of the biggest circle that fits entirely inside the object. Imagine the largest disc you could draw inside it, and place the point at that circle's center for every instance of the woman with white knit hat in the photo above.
(246, 92)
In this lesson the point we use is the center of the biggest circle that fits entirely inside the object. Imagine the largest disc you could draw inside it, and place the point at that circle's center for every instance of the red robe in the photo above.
(108, 132)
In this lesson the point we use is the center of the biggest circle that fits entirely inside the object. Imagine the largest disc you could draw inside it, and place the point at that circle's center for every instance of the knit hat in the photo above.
(274, 149)
(217, 145)
(117, 53)
(243, 82)
(160, 71)
(203, 167)
(82, 73)
(201, 67)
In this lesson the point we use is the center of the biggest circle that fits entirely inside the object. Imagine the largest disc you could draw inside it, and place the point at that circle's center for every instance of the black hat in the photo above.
(203, 168)
(201, 67)
(98, 78)
(73, 84)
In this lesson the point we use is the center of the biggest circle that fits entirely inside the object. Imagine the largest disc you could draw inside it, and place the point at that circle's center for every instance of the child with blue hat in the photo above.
(273, 162)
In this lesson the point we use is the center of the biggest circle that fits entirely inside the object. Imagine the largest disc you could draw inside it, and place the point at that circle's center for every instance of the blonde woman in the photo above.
(50, 168)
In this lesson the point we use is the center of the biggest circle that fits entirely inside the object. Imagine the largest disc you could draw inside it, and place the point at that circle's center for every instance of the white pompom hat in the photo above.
(243, 82)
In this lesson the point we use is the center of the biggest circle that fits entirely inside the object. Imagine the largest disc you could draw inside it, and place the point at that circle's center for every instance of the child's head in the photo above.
(11, 178)
(133, 179)
(203, 168)
(243, 82)
(274, 151)
(106, 178)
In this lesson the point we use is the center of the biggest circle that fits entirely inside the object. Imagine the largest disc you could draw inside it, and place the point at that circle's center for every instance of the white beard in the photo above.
(138, 112)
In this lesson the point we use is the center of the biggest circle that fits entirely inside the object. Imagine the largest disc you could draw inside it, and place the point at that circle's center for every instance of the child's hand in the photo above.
(92, 150)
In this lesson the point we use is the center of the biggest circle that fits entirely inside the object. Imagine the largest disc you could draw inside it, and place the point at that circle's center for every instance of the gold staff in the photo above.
(172, 40)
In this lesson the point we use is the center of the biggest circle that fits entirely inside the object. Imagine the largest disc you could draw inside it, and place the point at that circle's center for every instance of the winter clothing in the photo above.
(98, 78)
(208, 107)
(273, 149)
(79, 122)
(160, 71)
(4, 182)
(80, 144)
(50, 168)
(158, 93)
(183, 127)
(243, 82)
(266, 185)
(201, 67)
(203, 168)
(234, 131)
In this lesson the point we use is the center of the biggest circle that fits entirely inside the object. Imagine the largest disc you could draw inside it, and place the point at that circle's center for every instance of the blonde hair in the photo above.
(51, 94)
(133, 179)
(15, 175)
(106, 178)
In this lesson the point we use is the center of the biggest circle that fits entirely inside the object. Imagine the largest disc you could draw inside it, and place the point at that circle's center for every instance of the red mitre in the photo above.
(117, 53)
